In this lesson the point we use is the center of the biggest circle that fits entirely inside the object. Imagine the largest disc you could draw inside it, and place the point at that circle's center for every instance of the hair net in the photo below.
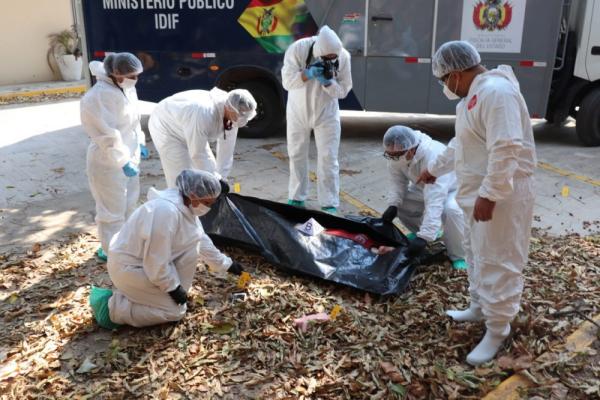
(122, 64)
(244, 105)
(200, 184)
(400, 138)
(454, 56)
(327, 42)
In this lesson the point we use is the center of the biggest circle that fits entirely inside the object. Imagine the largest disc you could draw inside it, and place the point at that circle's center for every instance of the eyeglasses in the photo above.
(443, 79)
(394, 157)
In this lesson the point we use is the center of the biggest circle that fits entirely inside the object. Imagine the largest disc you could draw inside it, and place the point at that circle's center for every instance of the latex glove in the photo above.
(416, 247)
(323, 81)
(178, 295)
(426, 177)
(236, 268)
(484, 209)
(313, 72)
(130, 169)
(224, 187)
(390, 214)
(144, 152)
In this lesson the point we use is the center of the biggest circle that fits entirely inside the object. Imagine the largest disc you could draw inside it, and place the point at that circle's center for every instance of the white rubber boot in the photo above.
(473, 313)
(488, 347)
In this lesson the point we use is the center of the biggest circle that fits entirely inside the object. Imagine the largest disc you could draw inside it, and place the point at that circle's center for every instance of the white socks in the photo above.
(488, 347)
(470, 314)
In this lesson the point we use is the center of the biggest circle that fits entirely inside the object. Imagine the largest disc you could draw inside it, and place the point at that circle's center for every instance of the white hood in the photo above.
(172, 196)
(327, 42)
(504, 71)
(97, 70)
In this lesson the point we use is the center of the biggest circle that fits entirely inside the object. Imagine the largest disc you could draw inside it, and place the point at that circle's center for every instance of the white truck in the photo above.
(552, 45)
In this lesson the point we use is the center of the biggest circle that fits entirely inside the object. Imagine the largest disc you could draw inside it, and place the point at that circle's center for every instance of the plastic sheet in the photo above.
(269, 228)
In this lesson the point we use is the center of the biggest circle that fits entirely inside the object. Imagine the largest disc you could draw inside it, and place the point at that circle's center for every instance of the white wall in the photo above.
(24, 29)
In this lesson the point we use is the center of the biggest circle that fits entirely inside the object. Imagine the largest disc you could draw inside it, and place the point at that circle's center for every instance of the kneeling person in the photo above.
(422, 208)
(153, 258)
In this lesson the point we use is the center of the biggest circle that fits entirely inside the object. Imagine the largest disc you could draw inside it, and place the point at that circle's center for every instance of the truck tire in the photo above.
(270, 114)
(588, 119)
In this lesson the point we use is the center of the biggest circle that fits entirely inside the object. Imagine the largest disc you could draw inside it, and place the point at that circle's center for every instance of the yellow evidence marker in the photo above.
(335, 311)
(244, 280)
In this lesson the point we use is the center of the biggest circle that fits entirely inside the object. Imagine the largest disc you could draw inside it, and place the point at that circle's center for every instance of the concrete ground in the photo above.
(44, 192)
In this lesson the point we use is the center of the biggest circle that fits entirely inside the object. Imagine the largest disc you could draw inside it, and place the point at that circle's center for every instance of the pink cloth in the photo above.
(302, 323)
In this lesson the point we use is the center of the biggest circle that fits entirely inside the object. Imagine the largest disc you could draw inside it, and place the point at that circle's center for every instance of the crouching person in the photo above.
(153, 258)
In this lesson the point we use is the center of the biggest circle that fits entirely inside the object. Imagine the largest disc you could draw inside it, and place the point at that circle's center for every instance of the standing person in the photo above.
(494, 157)
(422, 208)
(313, 105)
(110, 116)
(153, 258)
(182, 126)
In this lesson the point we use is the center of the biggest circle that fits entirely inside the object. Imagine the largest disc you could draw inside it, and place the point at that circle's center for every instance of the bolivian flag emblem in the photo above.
(275, 24)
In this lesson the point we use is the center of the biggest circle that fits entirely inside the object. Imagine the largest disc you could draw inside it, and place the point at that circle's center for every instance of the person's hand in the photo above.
(178, 295)
(323, 81)
(390, 213)
(224, 187)
(416, 247)
(384, 250)
(484, 209)
(426, 178)
(236, 268)
(144, 152)
(130, 169)
(313, 72)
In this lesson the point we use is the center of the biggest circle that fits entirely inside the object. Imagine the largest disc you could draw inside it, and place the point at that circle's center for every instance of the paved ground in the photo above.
(44, 192)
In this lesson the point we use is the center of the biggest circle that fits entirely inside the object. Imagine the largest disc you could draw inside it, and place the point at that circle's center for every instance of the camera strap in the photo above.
(310, 54)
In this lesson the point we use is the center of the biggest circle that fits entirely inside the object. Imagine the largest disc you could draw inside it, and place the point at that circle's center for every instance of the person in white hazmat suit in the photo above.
(313, 105)
(422, 208)
(183, 125)
(494, 157)
(153, 258)
(110, 116)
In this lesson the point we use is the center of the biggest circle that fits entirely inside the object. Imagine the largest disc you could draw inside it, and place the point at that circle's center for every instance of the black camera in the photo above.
(330, 67)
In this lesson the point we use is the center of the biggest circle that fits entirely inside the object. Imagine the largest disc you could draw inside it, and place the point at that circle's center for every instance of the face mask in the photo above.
(449, 93)
(128, 83)
(200, 210)
(241, 122)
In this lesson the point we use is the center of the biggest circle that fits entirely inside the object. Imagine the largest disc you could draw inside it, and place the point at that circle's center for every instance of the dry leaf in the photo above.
(86, 366)
(516, 364)
(392, 372)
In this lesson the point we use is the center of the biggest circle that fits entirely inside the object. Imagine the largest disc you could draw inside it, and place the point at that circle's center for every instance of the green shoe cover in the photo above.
(459, 264)
(101, 254)
(99, 303)
(330, 210)
(296, 203)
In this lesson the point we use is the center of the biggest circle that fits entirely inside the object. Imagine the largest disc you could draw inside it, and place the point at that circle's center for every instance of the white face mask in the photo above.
(449, 93)
(128, 83)
(200, 210)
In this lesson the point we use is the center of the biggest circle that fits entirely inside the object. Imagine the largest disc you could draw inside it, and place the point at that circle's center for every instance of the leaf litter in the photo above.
(376, 348)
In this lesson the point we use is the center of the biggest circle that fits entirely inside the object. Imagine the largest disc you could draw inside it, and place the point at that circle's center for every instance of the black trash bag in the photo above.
(268, 228)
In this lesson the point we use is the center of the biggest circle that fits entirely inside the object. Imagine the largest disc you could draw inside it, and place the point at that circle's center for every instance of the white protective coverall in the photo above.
(110, 117)
(312, 106)
(493, 154)
(182, 127)
(423, 208)
(157, 250)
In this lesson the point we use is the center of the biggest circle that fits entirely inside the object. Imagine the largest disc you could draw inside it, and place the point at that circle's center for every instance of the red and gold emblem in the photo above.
(492, 15)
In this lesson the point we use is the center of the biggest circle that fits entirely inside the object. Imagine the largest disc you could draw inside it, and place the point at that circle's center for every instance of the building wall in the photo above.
(24, 29)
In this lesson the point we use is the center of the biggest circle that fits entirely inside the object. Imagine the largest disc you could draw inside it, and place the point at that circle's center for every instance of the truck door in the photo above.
(593, 55)
(526, 38)
(399, 55)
